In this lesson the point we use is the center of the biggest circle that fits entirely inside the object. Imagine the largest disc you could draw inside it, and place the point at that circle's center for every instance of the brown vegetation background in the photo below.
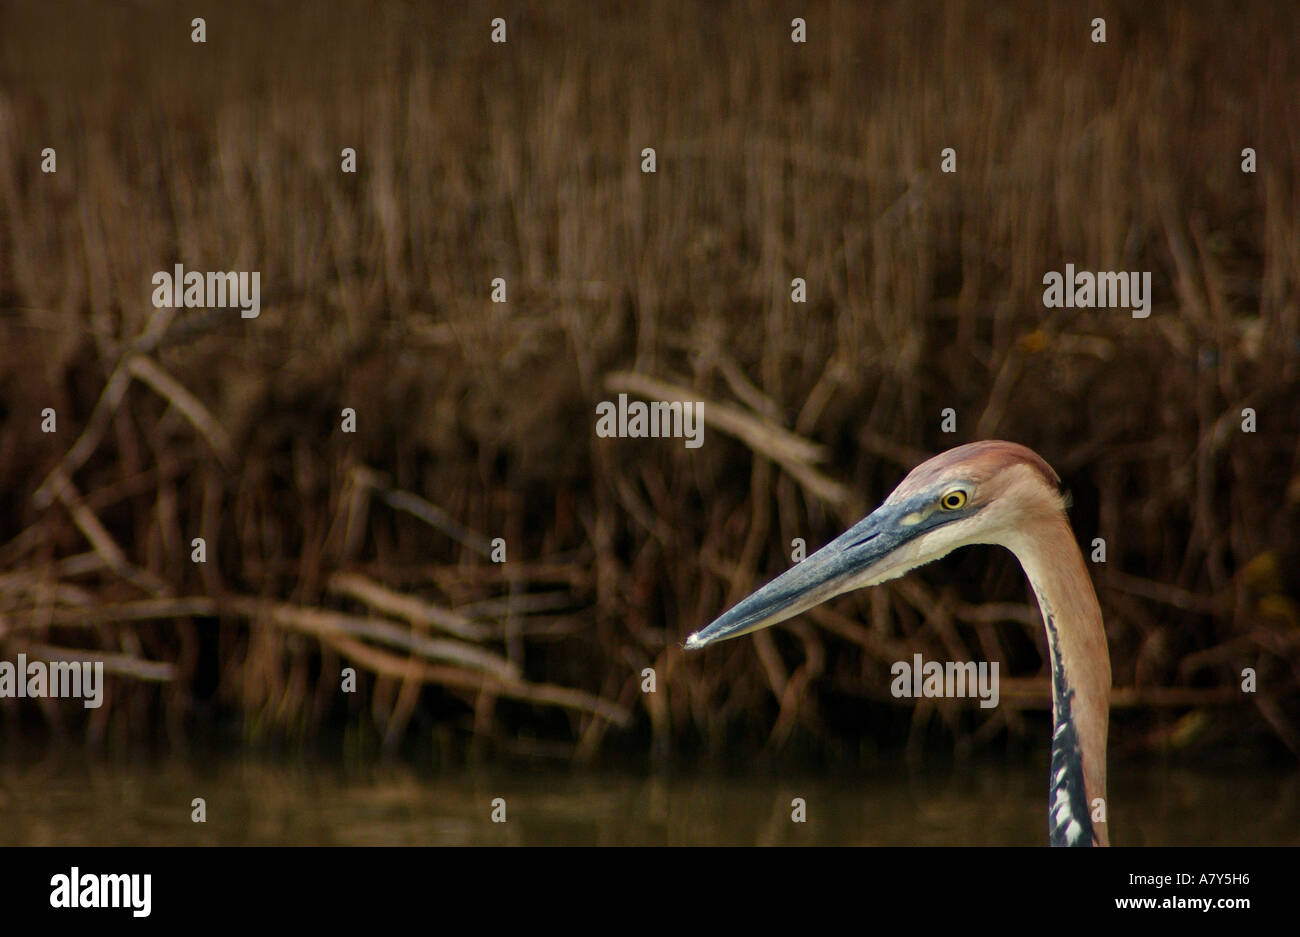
(476, 420)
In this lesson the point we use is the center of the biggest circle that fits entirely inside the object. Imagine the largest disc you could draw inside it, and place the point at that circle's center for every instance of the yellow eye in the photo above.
(954, 500)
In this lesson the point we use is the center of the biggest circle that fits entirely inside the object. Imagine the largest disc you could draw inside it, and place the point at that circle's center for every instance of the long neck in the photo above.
(1080, 681)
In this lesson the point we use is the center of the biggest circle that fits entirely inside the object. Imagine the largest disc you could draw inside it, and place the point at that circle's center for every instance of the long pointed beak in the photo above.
(847, 562)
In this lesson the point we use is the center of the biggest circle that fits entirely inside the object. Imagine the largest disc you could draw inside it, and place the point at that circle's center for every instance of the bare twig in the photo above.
(791, 452)
(122, 664)
(323, 622)
(417, 611)
(431, 514)
(100, 539)
(149, 372)
(89, 439)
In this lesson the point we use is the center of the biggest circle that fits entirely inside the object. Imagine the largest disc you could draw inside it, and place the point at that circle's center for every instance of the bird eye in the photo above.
(953, 500)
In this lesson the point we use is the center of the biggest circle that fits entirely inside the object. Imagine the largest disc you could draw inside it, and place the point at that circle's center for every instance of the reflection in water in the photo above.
(264, 803)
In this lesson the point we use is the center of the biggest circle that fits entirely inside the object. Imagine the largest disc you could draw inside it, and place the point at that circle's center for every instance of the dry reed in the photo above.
(476, 420)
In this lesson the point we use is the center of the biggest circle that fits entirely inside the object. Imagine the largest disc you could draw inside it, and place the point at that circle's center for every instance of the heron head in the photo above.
(982, 492)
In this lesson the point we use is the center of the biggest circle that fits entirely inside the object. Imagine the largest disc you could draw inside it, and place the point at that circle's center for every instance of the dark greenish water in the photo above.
(263, 802)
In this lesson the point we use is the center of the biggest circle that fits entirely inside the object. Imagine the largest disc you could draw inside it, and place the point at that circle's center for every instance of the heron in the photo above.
(987, 492)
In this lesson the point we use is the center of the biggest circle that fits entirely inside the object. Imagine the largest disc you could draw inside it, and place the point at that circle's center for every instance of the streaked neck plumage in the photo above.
(1080, 665)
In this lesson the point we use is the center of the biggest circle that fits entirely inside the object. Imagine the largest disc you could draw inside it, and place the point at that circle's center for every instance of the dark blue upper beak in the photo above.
(833, 569)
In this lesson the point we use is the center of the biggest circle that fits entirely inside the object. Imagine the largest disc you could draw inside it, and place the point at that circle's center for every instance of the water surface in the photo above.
(259, 801)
